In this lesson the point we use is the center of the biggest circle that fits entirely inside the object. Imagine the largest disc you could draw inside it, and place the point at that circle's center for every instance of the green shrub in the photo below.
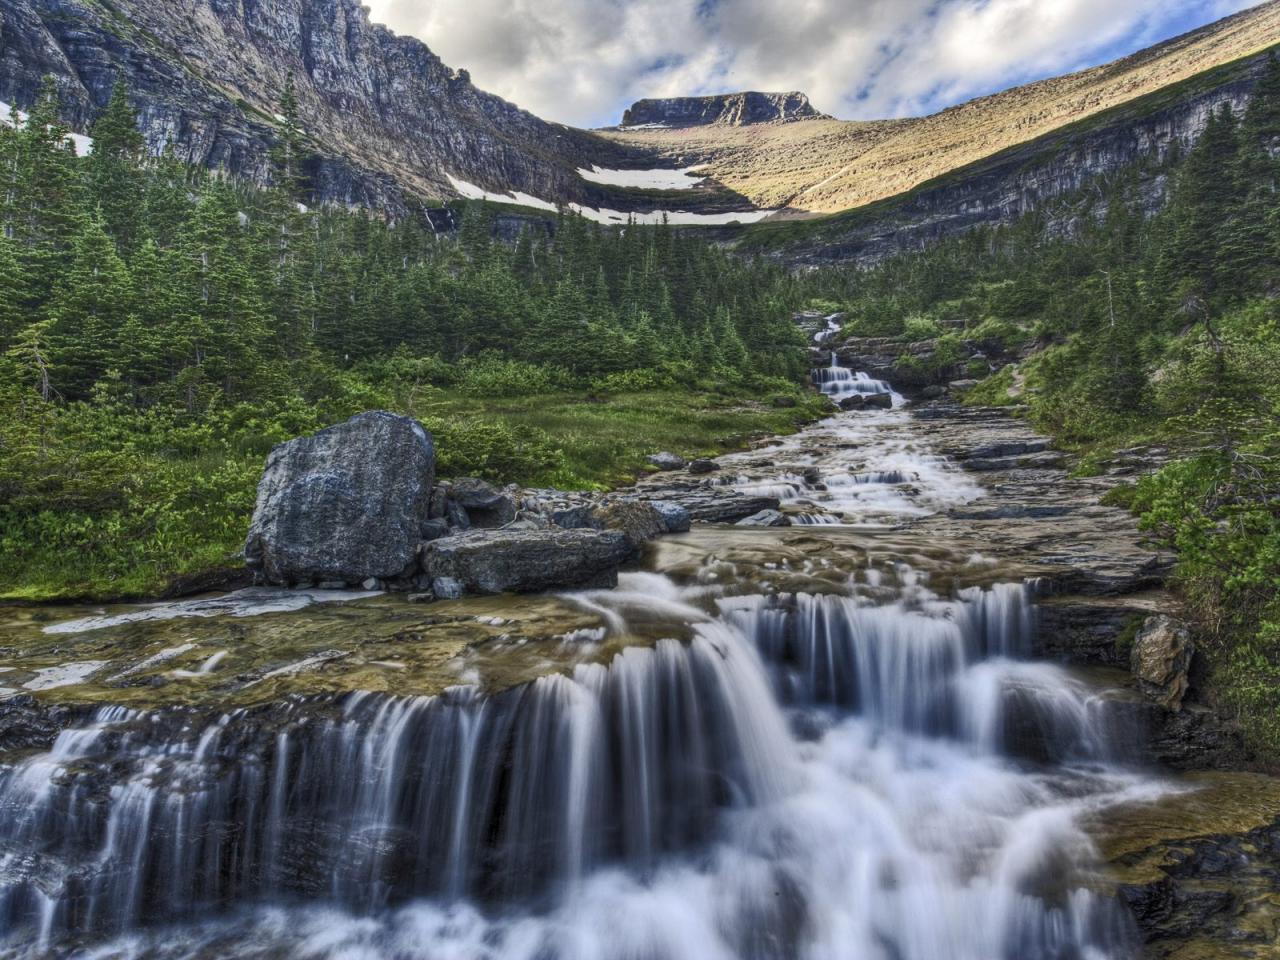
(916, 329)
(496, 376)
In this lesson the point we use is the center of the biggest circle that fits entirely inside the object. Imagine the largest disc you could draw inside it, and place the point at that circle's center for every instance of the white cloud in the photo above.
(582, 61)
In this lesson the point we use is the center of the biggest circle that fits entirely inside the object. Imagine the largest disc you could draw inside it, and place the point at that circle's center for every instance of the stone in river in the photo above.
(640, 521)
(347, 503)
(525, 561)
(765, 518)
(675, 517)
(703, 466)
(667, 461)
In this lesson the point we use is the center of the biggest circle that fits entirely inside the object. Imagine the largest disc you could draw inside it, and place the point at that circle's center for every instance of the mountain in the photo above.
(1133, 139)
(390, 125)
(822, 165)
(384, 115)
(725, 109)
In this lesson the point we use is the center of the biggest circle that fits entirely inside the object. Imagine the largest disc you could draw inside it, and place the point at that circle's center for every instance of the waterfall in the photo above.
(839, 382)
(809, 776)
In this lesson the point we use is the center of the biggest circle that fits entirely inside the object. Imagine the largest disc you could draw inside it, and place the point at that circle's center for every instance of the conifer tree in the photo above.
(114, 174)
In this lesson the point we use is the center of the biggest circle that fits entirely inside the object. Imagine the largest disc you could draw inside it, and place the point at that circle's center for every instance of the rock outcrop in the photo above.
(526, 561)
(724, 109)
(1161, 660)
(345, 504)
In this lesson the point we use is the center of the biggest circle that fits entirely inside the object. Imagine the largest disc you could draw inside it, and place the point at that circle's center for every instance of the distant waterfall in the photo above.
(839, 382)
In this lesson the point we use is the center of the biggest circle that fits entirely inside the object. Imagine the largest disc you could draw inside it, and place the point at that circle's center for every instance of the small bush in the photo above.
(916, 329)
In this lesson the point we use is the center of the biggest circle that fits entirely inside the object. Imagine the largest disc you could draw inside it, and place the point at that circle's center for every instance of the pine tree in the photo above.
(114, 174)
(15, 293)
(48, 196)
(91, 302)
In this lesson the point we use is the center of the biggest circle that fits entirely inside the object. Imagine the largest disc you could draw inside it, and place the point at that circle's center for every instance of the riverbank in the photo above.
(185, 499)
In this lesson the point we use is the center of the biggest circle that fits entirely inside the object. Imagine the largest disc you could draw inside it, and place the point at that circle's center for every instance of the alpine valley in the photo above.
(429, 531)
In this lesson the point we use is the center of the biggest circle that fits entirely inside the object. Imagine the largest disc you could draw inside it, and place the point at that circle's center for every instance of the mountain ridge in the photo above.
(825, 166)
(392, 127)
(743, 108)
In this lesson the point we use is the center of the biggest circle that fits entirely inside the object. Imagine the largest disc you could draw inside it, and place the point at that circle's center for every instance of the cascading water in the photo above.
(810, 776)
(877, 774)
(839, 382)
(863, 468)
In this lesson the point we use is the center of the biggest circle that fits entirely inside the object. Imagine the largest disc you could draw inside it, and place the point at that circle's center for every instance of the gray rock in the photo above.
(667, 461)
(347, 503)
(577, 517)
(703, 465)
(439, 502)
(675, 517)
(855, 401)
(447, 588)
(706, 504)
(1161, 660)
(765, 518)
(435, 529)
(933, 392)
(455, 516)
(640, 521)
(961, 386)
(524, 561)
(881, 401)
(371, 583)
(487, 507)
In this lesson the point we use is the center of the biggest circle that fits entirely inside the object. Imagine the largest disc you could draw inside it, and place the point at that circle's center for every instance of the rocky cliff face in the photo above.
(1032, 176)
(725, 109)
(384, 114)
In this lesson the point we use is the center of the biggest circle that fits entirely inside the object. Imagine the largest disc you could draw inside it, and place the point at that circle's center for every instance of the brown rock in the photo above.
(1161, 657)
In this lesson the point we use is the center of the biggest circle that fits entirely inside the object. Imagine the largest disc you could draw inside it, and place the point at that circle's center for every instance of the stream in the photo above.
(831, 741)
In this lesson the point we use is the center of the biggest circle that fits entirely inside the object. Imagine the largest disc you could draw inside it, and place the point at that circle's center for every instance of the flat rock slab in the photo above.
(526, 561)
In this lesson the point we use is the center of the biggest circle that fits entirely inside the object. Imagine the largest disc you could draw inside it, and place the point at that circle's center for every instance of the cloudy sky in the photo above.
(582, 61)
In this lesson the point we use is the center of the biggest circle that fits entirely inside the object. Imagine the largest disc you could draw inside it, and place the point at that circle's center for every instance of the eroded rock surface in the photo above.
(525, 561)
(1161, 660)
(345, 504)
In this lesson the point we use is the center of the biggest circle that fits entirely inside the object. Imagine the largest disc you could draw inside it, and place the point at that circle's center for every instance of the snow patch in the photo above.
(674, 217)
(9, 116)
(471, 192)
(611, 217)
(682, 179)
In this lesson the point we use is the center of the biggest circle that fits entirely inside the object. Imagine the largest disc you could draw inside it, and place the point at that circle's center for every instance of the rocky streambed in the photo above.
(921, 705)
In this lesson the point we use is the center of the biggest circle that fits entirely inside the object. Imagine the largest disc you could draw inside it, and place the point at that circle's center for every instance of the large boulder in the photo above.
(525, 561)
(348, 503)
(1161, 660)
